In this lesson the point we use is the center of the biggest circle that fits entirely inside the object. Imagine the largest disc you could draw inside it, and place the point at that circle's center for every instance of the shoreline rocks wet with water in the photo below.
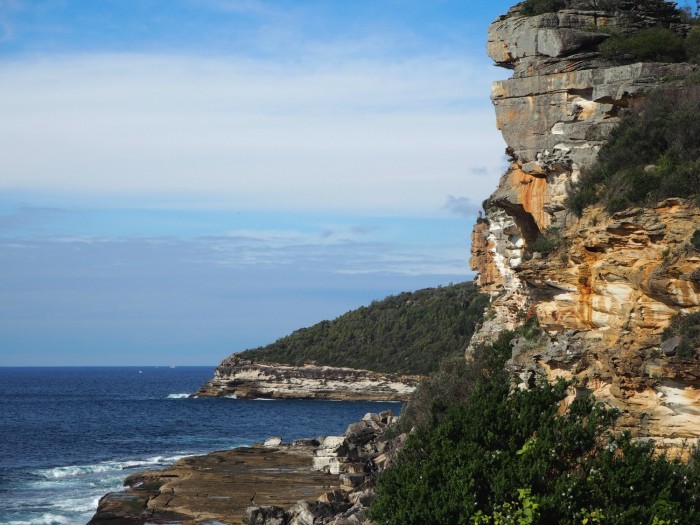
(329, 480)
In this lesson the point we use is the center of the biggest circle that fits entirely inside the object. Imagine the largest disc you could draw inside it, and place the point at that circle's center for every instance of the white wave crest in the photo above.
(106, 466)
(82, 505)
(44, 519)
(178, 396)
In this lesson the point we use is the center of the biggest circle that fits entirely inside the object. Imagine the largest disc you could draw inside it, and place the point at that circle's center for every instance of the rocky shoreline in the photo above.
(245, 379)
(328, 480)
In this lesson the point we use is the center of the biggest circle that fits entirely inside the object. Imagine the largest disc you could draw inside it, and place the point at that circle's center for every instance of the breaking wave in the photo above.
(44, 519)
(106, 466)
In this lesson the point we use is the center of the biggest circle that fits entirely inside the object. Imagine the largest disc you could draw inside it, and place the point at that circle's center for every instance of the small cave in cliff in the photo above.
(523, 220)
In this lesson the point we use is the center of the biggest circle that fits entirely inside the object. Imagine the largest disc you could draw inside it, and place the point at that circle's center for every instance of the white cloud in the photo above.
(354, 135)
(346, 254)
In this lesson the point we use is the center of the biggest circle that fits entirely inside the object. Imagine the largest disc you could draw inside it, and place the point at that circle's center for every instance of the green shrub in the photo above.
(687, 327)
(453, 383)
(691, 44)
(695, 240)
(656, 44)
(538, 7)
(510, 453)
(654, 153)
(546, 243)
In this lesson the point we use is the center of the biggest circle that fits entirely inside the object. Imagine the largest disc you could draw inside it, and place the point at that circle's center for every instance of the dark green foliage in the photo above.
(687, 327)
(691, 45)
(453, 383)
(546, 243)
(407, 333)
(510, 452)
(656, 44)
(653, 154)
(695, 240)
(538, 7)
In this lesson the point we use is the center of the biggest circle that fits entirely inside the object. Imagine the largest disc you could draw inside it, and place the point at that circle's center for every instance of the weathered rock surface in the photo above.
(249, 380)
(605, 299)
(217, 487)
(563, 99)
(606, 294)
(262, 485)
(357, 457)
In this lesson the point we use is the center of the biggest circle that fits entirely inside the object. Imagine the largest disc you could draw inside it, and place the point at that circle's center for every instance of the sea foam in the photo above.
(178, 396)
(44, 519)
(106, 466)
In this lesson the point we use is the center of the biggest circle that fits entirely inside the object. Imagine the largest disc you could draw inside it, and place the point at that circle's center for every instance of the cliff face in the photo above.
(606, 294)
(250, 380)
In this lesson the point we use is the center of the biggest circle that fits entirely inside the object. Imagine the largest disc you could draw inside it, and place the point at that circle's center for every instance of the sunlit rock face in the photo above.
(244, 379)
(606, 294)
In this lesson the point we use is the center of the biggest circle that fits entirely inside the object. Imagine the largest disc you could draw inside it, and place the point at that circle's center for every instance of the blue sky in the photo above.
(182, 179)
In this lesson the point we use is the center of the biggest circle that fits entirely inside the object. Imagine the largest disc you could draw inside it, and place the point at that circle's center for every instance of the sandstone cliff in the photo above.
(250, 380)
(605, 295)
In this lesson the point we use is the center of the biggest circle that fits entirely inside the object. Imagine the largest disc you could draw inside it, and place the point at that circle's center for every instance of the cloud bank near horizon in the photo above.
(184, 179)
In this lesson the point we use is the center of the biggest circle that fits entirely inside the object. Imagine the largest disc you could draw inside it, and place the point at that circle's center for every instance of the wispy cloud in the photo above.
(341, 256)
(462, 206)
(251, 134)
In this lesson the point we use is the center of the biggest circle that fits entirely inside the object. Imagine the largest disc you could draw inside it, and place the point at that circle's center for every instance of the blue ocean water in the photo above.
(69, 435)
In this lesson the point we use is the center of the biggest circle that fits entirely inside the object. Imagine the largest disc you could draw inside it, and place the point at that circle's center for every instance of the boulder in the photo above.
(272, 442)
(362, 432)
(308, 513)
(265, 515)
(351, 481)
(669, 346)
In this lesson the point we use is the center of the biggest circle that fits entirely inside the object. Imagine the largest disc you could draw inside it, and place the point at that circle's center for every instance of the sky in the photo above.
(184, 179)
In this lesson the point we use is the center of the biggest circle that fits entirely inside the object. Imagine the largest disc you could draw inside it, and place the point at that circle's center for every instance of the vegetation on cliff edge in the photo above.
(632, 41)
(686, 327)
(539, 7)
(654, 153)
(501, 455)
(408, 333)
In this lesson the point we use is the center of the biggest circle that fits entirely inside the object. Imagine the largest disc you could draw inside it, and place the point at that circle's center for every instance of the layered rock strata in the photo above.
(606, 294)
(249, 380)
(313, 481)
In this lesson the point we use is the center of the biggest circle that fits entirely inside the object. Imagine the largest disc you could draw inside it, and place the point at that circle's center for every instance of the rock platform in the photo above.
(328, 480)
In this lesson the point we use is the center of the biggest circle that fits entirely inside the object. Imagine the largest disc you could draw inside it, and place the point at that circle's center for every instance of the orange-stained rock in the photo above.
(605, 295)
(488, 276)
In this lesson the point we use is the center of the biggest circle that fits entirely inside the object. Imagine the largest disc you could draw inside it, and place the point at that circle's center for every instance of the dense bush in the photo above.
(538, 7)
(695, 240)
(509, 457)
(654, 153)
(687, 327)
(453, 383)
(405, 333)
(546, 243)
(656, 44)
(691, 45)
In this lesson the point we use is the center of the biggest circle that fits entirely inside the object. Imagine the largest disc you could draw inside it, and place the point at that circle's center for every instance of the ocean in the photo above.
(68, 435)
